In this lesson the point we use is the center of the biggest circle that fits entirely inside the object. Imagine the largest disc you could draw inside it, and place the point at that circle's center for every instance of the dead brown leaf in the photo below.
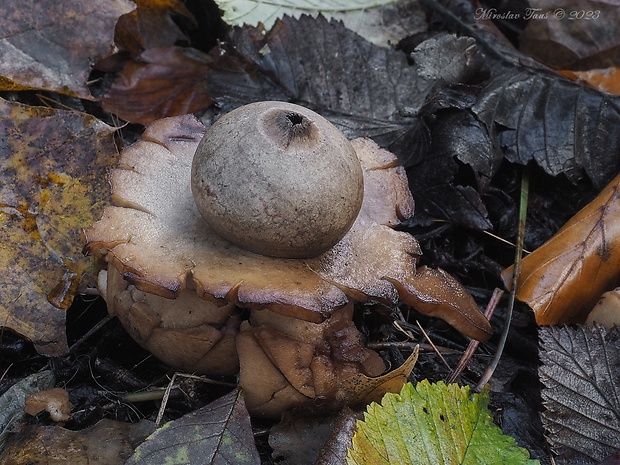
(164, 81)
(150, 26)
(573, 34)
(52, 184)
(564, 278)
(51, 44)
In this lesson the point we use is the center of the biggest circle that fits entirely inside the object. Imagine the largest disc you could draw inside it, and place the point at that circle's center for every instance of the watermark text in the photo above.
(537, 14)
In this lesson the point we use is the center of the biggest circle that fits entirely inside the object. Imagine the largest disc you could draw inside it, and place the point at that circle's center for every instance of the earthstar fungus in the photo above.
(277, 179)
(299, 344)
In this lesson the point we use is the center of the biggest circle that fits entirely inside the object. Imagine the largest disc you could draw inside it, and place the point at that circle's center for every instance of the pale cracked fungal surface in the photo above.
(176, 285)
(155, 236)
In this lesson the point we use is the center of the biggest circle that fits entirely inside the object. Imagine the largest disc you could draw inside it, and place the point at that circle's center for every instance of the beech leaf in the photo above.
(564, 278)
(433, 424)
(581, 392)
(217, 434)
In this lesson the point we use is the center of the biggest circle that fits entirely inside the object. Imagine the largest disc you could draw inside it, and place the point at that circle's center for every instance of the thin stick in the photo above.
(144, 396)
(5, 372)
(473, 344)
(171, 385)
(90, 332)
(525, 187)
(164, 402)
(441, 357)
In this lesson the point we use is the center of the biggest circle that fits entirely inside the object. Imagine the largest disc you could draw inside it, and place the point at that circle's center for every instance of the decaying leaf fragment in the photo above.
(52, 184)
(40, 49)
(584, 37)
(564, 278)
(55, 401)
(581, 392)
(605, 79)
(108, 442)
(606, 312)
(162, 81)
(150, 25)
(219, 433)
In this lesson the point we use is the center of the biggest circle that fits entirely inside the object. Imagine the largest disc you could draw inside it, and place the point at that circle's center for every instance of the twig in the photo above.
(433, 346)
(473, 344)
(525, 182)
(90, 332)
(171, 385)
(408, 346)
(5, 372)
(144, 396)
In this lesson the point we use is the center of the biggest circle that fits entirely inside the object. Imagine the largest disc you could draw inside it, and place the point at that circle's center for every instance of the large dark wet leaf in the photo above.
(563, 127)
(361, 87)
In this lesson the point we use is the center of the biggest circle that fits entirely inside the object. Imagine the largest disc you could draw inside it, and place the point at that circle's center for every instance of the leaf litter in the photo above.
(407, 128)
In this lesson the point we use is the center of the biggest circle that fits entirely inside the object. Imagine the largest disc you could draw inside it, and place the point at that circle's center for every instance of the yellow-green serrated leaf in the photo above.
(433, 424)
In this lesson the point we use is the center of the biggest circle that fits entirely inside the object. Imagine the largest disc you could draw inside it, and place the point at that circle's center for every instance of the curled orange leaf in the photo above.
(564, 278)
